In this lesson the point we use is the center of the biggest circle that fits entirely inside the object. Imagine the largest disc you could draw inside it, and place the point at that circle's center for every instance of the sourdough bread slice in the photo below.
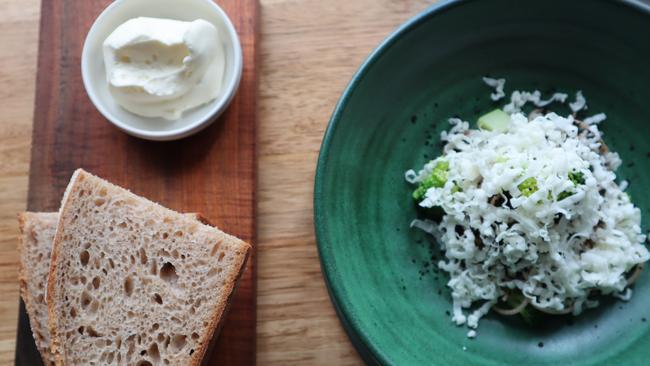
(35, 245)
(132, 282)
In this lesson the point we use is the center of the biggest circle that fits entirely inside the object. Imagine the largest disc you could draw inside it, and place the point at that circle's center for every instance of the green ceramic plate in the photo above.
(381, 274)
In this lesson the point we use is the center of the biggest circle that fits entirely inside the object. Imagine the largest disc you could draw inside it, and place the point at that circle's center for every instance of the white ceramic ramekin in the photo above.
(192, 121)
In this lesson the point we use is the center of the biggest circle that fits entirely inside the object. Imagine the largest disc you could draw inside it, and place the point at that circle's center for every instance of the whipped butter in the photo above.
(163, 67)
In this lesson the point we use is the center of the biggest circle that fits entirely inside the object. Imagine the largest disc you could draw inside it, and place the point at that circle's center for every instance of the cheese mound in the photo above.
(534, 210)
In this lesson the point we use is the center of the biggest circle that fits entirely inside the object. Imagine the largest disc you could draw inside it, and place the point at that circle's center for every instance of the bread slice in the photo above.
(132, 282)
(35, 245)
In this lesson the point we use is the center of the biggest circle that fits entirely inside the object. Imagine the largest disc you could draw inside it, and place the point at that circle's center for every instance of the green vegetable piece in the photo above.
(528, 186)
(419, 193)
(515, 299)
(497, 121)
(577, 178)
(500, 159)
(456, 188)
(564, 195)
(437, 179)
(529, 314)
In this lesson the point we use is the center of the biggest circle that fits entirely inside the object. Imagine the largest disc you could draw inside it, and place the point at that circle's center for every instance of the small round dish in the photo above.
(193, 120)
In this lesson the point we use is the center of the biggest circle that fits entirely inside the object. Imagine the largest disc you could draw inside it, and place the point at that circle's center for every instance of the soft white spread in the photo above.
(163, 67)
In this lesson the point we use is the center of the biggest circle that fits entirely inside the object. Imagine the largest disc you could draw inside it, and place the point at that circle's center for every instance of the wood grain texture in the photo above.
(212, 173)
(19, 42)
(309, 50)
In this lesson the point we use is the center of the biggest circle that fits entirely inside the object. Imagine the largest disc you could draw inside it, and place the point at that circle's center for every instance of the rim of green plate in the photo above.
(368, 352)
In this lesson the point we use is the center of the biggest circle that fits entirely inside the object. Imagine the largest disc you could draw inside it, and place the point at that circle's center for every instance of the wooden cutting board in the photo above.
(212, 172)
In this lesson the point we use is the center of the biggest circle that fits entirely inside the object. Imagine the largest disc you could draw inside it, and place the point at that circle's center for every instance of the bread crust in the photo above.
(52, 316)
(21, 268)
(218, 318)
(219, 315)
(200, 218)
(24, 277)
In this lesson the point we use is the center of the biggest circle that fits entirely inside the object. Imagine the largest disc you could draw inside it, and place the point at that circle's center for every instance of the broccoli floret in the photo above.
(419, 192)
(437, 179)
(577, 178)
(564, 195)
(528, 186)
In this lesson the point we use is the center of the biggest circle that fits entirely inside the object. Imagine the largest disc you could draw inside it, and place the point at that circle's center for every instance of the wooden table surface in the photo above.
(309, 50)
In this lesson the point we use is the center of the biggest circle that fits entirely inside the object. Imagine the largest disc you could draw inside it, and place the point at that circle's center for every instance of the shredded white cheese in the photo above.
(595, 119)
(557, 243)
(498, 85)
(579, 104)
(519, 98)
